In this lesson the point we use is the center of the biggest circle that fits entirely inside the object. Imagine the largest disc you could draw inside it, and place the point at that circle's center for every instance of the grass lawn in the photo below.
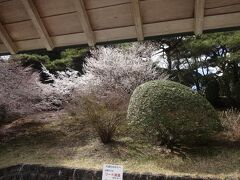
(72, 143)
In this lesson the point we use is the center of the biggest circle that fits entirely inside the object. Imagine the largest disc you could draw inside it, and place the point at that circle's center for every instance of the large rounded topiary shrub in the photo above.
(172, 112)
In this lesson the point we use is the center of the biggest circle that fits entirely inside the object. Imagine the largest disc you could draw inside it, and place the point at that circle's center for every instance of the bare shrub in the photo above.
(19, 89)
(104, 113)
(230, 120)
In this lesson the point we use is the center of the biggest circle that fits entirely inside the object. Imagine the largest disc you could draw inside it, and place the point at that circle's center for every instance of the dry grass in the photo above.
(71, 143)
(230, 120)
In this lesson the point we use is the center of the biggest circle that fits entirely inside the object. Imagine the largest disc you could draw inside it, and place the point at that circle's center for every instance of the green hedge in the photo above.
(172, 112)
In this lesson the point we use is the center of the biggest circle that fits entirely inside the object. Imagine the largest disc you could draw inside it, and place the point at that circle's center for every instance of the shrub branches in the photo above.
(230, 120)
(122, 69)
(21, 92)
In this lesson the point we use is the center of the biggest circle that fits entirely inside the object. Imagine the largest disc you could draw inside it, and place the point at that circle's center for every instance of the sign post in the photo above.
(112, 172)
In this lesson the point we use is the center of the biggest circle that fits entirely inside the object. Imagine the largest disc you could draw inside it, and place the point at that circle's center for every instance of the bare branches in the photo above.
(122, 69)
(21, 92)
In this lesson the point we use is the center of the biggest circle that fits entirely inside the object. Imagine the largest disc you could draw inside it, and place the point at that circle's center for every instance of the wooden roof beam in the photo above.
(37, 22)
(199, 16)
(85, 22)
(7, 41)
(137, 19)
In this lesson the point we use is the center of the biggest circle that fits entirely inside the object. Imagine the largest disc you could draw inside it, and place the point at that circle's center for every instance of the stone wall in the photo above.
(38, 172)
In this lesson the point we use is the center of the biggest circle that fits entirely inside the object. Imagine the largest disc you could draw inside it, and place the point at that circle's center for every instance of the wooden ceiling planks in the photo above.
(96, 4)
(223, 10)
(110, 20)
(111, 17)
(27, 31)
(161, 10)
(222, 21)
(31, 44)
(3, 48)
(4, 36)
(48, 8)
(220, 3)
(56, 27)
(12, 11)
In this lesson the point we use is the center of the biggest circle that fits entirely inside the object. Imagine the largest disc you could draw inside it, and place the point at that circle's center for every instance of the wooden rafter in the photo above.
(85, 22)
(137, 19)
(4, 36)
(199, 16)
(37, 22)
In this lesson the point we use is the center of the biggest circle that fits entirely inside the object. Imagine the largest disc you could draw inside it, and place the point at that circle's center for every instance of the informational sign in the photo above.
(112, 172)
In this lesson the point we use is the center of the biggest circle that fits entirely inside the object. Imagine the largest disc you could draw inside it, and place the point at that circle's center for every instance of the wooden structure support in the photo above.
(85, 22)
(199, 16)
(28, 25)
(7, 41)
(137, 19)
(37, 22)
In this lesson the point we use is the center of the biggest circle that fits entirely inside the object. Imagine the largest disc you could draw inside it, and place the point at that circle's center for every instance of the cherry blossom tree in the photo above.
(22, 93)
(121, 69)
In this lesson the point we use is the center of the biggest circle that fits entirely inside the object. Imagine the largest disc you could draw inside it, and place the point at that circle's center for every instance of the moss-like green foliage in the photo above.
(57, 61)
(171, 111)
(30, 59)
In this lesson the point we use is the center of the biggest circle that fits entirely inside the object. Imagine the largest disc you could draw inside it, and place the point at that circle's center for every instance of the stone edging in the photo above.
(39, 172)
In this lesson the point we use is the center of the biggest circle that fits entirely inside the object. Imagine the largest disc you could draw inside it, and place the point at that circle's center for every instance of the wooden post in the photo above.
(137, 19)
(199, 16)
